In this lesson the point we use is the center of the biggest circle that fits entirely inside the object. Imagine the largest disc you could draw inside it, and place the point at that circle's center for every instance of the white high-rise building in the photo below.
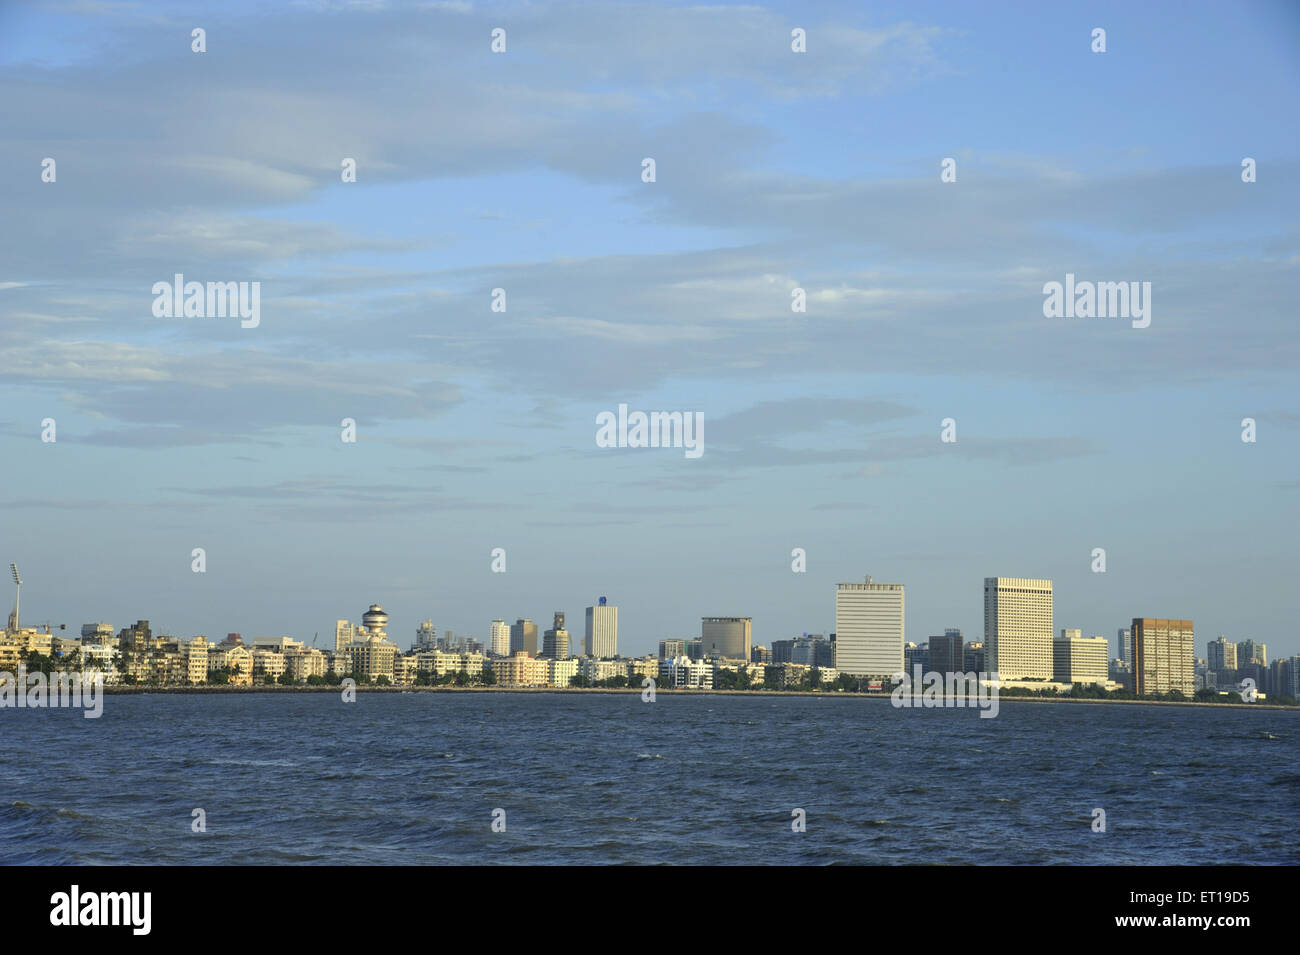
(602, 631)
(500, 639)
(1018, 628)
(869, 629)
(345, 633)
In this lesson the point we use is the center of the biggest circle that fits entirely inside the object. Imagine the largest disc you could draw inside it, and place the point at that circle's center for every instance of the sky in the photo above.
(775, 170)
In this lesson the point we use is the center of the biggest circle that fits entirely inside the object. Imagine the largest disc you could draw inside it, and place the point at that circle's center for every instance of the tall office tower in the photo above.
(344, 633)
(523, 636)
(671, 649)
(500, 638)
(1250, 652)
(782, 651)
(869, 629)
(555, 642)
(1124, 652)
(948, 653)
(1018, 627)
(974, 658)
(729, 637)
(602, 631)
(1079, 659)
(1163, 656)
(1221, 655)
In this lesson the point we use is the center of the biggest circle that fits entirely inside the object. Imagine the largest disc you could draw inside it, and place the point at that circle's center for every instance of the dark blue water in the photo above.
(597, 778)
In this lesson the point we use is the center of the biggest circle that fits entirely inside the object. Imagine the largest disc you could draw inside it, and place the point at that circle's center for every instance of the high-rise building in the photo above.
(948, 653)
(555, 642)
(869, 629)
(974, 658)
(1124, 652)
(426, 636)
(602, 631)
(523, 636)
(1018, 627)
(1250, 652)
(500, 638)
(344, 633)
(96, 633)
(1221, 655)
(727, 637)
(671, 649)
(1163, 656)
(1080, 659)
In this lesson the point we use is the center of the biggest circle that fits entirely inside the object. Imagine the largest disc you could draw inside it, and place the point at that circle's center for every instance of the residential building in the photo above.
(1163, 652)
(499, 639)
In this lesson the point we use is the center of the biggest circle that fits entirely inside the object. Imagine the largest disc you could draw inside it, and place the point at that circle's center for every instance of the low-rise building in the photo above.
(684, 673)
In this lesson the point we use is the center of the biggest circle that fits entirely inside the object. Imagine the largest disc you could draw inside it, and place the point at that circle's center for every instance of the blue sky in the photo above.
(774, 170)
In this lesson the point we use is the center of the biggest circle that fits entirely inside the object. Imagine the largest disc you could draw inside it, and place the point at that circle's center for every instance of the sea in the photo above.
(595, 778)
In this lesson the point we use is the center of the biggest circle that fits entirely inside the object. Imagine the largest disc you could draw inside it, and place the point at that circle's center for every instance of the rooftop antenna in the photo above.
(18, 584)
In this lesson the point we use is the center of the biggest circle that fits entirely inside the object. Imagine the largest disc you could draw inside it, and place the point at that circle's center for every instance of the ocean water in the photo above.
(597, 778)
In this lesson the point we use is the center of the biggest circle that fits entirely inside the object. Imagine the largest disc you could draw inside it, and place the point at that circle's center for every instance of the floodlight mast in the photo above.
(18, 591)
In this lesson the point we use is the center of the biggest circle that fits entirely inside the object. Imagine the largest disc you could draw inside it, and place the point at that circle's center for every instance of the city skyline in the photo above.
(345, 630)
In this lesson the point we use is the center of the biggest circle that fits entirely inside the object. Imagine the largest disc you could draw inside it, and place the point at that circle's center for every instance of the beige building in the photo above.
(639, 669)
(598, 670)
(195, 654)
(301, 662)
(1164, 656)
(561, 672)
(405, 669)
(519, 669)
(267, 664)
(372, 657)
(1018, 628)
(729, 637)
(1079, 659)
(233, 656)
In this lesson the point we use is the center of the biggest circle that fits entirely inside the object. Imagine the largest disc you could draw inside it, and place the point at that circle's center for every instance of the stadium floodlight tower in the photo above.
(18, 591)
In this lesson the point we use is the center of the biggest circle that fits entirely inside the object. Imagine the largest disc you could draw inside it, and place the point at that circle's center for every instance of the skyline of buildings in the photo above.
(869, 642)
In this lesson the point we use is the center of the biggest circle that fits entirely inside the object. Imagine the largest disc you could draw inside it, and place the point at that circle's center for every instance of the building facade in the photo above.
(1018, 628)
(601, 639)
(869, 632)
(1164, 656)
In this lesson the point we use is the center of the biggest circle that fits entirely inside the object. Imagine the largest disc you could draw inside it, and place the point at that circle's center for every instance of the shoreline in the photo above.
(758, 694)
